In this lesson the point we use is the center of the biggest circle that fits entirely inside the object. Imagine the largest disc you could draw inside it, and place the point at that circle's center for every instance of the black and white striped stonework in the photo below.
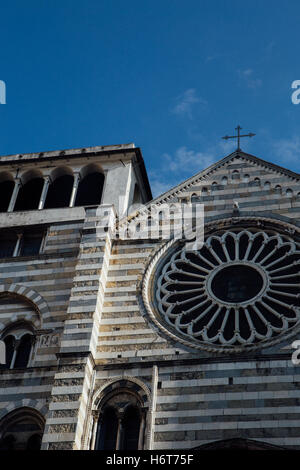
(90, 301)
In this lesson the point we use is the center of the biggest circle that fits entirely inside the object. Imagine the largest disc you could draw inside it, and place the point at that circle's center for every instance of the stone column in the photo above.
(14, 196)
(95, 426)
(74, 189)
(17, 246)
(150, 430)
(47, 182)
(120, 432)
(142, 432)
(16, 346)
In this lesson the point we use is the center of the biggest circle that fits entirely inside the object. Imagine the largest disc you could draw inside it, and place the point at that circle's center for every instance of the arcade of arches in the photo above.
(62, 188)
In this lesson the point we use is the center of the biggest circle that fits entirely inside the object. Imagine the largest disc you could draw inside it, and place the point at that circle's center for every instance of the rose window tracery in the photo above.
(241, 289)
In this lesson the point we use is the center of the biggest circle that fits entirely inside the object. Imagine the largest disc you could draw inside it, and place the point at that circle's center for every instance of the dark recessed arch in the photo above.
(30, 192)
(6, 189)
(90, 187)
(122, 416)
(22, 429)
(60, 189)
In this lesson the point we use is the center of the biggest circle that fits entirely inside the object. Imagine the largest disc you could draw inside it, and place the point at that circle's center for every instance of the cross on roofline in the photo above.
(238, 136)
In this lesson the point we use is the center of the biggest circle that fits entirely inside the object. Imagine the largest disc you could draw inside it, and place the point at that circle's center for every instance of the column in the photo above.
(75, 188)
(120, 432)
(142, 432)
(47, 182)
(94, 429)
(16, 346)
(14, 195)
(17, 246)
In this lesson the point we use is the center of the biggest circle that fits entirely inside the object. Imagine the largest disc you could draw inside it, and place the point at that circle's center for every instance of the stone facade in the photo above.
(85, 294)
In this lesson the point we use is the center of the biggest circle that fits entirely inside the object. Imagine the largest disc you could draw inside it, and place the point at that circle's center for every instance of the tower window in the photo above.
(20, 244)
(18, 346)
(31, 244)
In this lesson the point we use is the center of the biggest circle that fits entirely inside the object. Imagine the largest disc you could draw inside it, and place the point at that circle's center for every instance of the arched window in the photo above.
(21, 429)
(278, 189)
(235, 175)
(60, 189)
(224, 180)
(90, 186)
(6, 189)
(18, 341)
(121, 423)
(34, 442)
(30, 192)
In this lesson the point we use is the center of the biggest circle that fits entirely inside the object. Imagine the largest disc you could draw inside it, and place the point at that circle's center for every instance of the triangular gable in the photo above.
(206, 177)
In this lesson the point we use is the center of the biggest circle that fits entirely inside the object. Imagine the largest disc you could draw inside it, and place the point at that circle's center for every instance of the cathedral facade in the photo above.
(120, 337)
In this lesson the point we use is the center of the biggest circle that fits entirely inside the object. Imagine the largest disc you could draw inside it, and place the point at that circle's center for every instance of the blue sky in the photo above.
(172, 76)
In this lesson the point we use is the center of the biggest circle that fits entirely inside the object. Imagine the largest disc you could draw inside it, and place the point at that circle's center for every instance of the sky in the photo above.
(171, 76)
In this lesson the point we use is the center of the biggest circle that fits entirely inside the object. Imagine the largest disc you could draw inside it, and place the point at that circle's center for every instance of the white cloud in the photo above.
(186, 160)
(183, 164)
(248, 77)
(287, 149)
(158, 187)
(185, 103)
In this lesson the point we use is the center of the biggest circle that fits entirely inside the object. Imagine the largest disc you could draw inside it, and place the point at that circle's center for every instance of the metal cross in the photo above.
(238, 136)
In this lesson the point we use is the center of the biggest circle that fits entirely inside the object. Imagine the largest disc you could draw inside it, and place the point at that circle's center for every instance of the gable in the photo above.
(256, 185)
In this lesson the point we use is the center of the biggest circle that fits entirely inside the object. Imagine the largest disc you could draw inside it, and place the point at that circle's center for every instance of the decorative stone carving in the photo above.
(240, 291)
(49, 340)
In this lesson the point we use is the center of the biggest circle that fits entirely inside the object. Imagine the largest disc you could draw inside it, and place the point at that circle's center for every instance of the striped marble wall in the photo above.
(94, 332)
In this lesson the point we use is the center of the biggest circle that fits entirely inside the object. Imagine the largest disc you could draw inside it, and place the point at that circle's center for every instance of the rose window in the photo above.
(240, 289)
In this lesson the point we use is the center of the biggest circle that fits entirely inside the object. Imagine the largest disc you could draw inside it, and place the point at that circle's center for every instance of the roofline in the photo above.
(67, 153)
(201, 175)
(271, 165)
(37, 157)
(222, 161)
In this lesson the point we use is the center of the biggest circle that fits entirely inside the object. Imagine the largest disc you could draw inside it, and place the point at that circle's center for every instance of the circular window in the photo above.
(241, 289)
(236, 284)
